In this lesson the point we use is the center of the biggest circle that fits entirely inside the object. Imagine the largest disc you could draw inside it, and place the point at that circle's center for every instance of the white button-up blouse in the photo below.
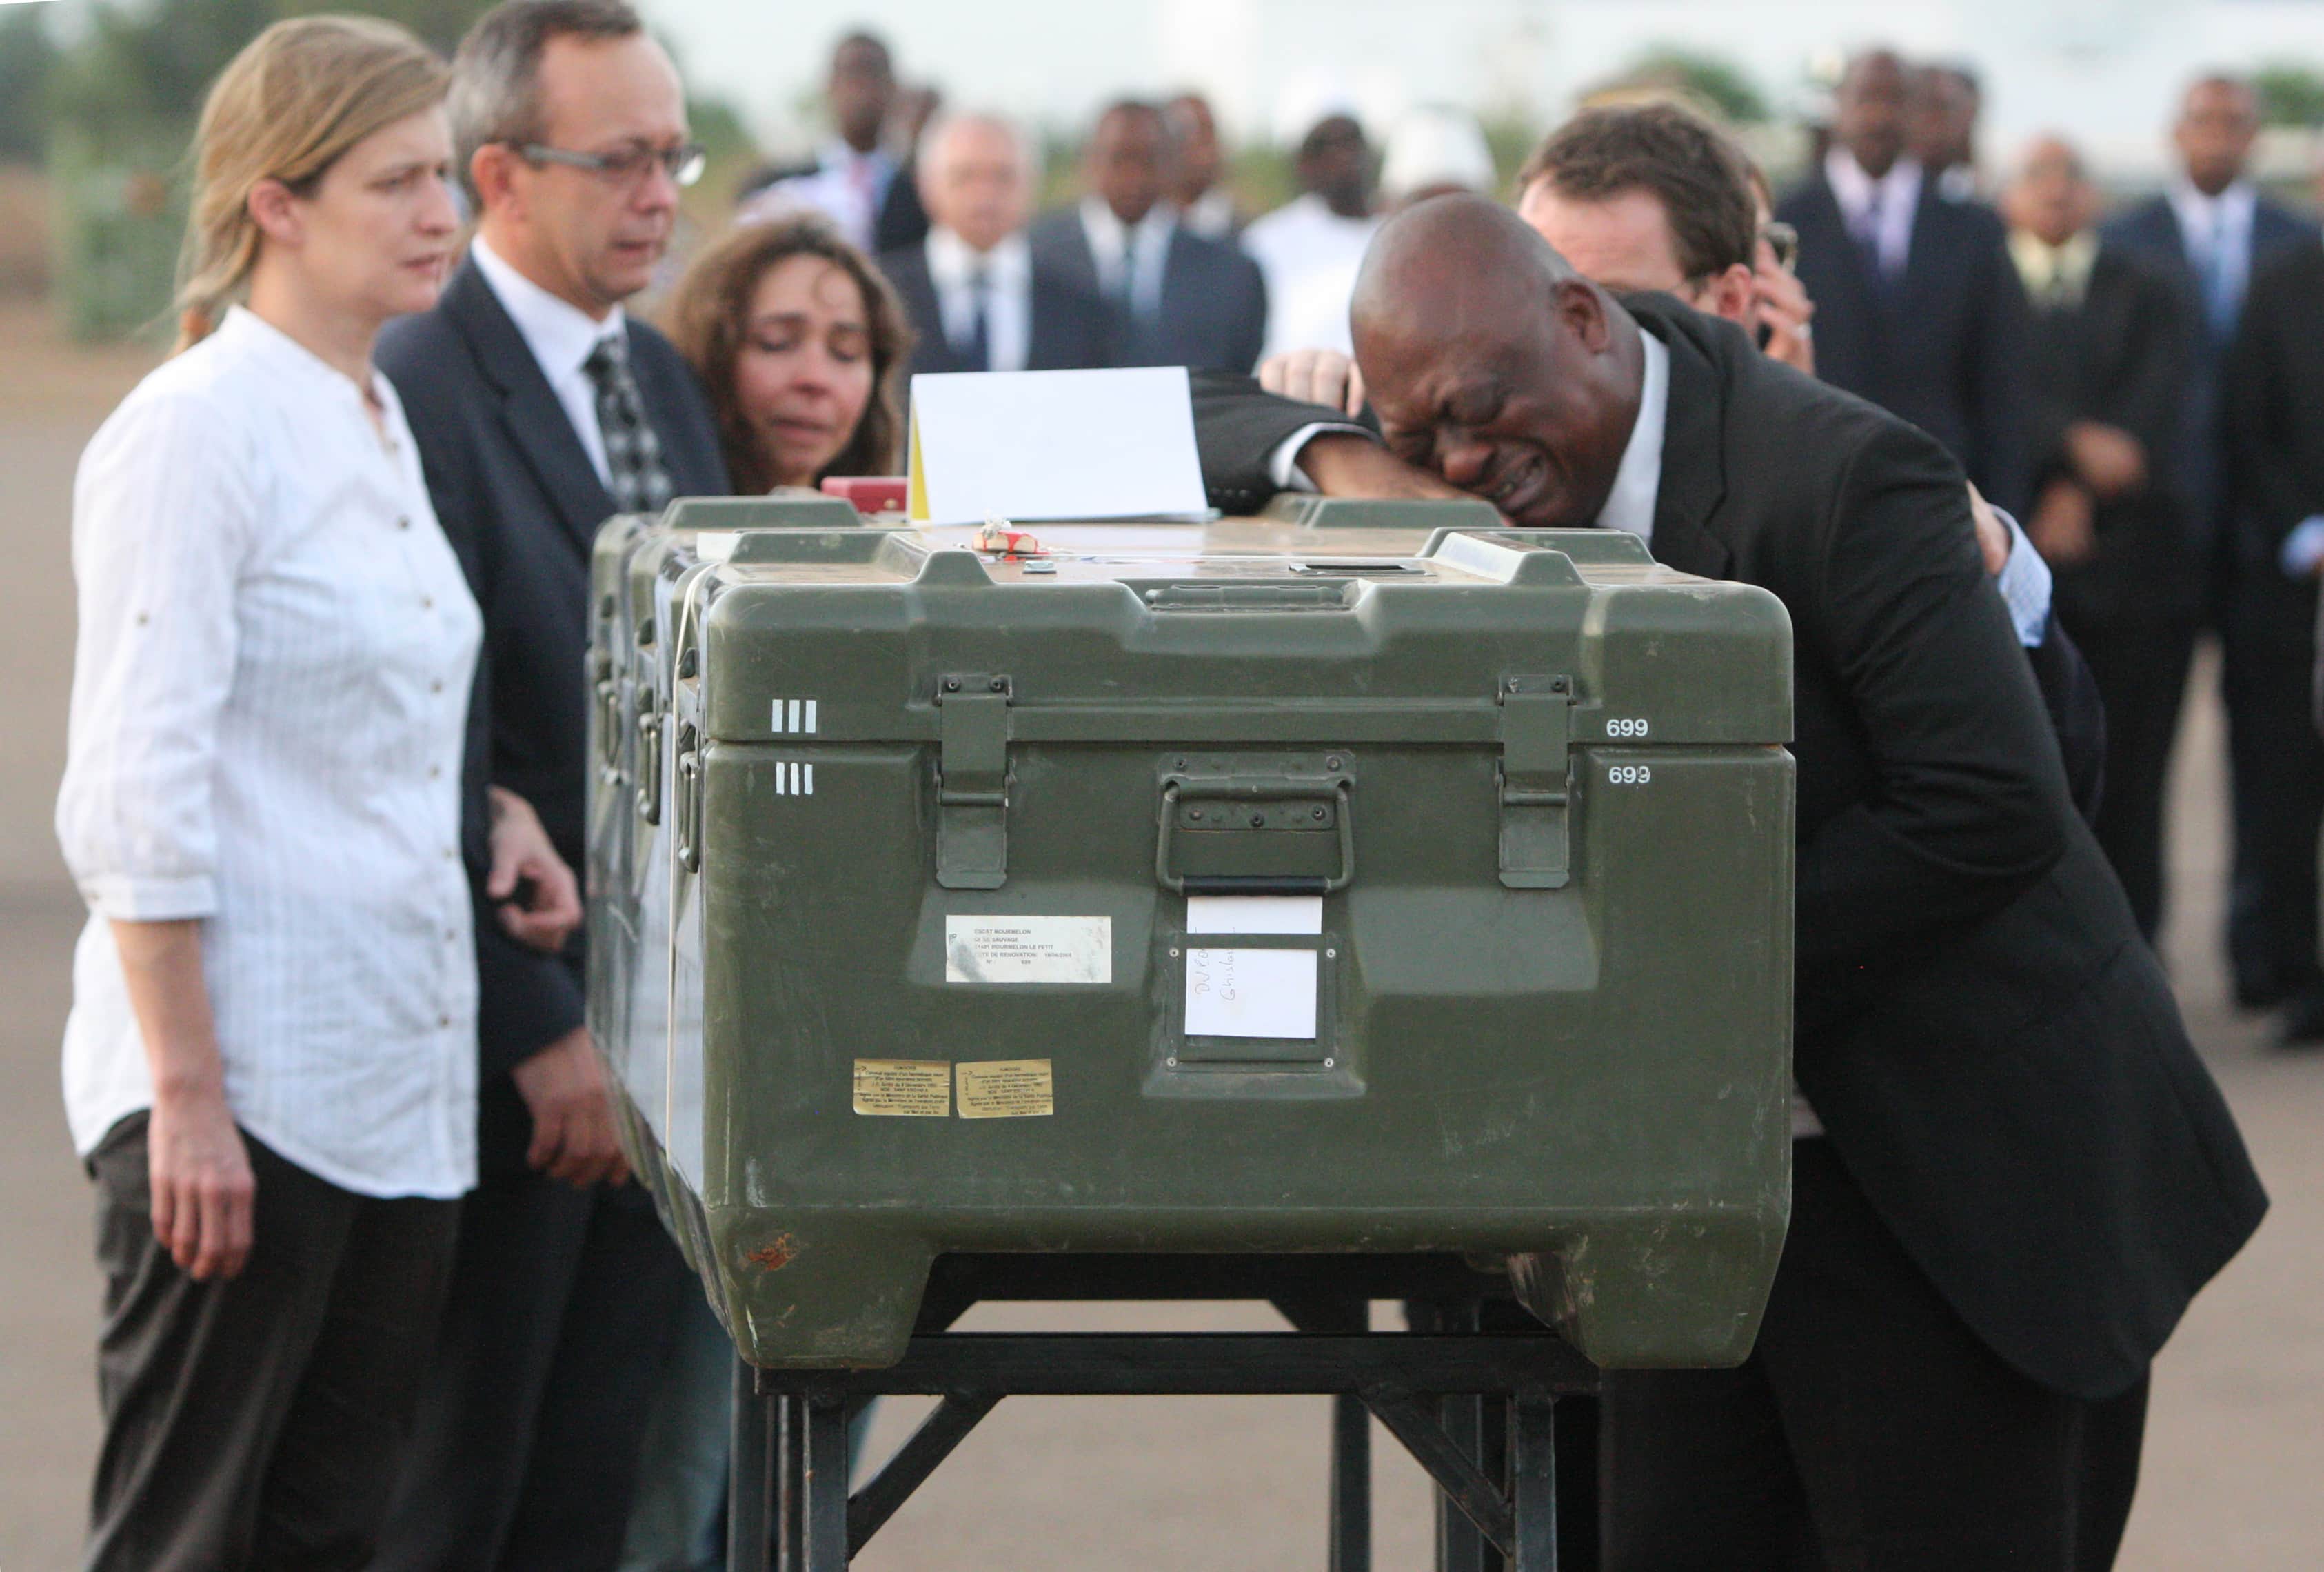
(270, 694)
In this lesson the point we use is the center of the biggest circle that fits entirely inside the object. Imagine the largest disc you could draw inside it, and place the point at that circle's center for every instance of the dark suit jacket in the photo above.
(1213, 312)
(1994, 1051)
(2150, 231)
(901, 220)
(1942, 347)
(2274, 392)
(521, 503)
(2122, 356)
(1071, 331)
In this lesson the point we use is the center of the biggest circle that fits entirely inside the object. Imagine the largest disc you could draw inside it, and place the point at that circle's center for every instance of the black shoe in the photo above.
(2304, 1022)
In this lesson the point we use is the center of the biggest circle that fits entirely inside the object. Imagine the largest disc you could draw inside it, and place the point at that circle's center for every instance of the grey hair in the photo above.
(1028, 151)
(496, 74)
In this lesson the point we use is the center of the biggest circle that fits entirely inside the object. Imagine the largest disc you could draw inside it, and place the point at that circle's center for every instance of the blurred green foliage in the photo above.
(1718, 84)
(28, 59)
(2290, 94)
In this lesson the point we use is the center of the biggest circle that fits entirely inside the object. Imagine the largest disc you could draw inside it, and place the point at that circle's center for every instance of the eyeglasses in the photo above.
(683, 163)
(1783, 240)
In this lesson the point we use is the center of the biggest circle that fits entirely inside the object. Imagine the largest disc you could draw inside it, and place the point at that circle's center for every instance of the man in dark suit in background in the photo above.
(1917, 308)
(1206, 205)
(539, 409)
(2274, 407)
(2020, 1172)
(1942, 104)
(1175, 298)
(2212, 233)
(979, 298)
(2110, 346)
(864, 188)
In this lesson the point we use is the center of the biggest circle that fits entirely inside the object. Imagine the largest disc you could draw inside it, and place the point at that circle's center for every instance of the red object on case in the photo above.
(871, 493)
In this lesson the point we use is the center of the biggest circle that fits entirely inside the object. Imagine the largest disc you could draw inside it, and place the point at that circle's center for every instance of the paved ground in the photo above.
(2234, 1453)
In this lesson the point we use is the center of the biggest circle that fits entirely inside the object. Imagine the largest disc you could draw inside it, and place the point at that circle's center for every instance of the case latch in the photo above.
(973, 781)
(1536, 780)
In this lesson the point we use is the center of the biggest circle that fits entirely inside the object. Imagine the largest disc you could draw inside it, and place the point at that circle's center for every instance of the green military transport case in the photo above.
(1357, 878)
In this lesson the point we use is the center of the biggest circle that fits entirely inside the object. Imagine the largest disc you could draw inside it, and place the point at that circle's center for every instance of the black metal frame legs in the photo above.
(791, 1510)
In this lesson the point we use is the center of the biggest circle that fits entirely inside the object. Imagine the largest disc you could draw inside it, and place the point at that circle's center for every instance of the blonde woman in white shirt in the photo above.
(271, 1063)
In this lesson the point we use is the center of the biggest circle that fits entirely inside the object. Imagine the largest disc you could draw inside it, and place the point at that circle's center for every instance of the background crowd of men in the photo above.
(2128, 385)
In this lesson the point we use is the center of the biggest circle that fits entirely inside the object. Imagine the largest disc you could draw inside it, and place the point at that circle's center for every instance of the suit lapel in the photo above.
(1694, 461)
(536, 423)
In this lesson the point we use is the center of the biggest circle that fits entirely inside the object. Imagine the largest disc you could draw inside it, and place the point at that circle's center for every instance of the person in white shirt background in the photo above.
(1309, 248)
(270, 1065)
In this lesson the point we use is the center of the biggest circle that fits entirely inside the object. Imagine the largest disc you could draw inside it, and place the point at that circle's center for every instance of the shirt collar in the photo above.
(2042, 267)
(2200, 215)
(560, 334)
(950, 260)
(1118, 237)
(1855, 190)
(1638, 483)
(247, 332)
(837, 154)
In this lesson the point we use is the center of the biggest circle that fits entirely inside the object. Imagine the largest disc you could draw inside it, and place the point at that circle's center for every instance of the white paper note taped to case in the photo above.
(1254, 914)
(1250, 993)
(1032, 445)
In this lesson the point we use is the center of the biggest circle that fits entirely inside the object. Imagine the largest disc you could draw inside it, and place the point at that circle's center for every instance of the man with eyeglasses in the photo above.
(539, 409)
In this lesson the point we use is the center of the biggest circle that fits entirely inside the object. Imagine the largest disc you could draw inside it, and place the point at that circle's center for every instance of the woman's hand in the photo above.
(200, 1191)
(197, 1177)
(535, 893)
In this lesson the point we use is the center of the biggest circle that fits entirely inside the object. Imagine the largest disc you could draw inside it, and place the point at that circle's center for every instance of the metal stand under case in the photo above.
(1475, 1408)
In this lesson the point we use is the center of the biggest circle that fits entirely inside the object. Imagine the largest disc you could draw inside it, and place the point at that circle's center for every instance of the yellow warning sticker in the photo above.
(1005, 1088)
(912, 1088)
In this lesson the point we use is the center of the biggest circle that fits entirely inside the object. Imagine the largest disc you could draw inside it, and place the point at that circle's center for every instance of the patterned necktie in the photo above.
(634, 473)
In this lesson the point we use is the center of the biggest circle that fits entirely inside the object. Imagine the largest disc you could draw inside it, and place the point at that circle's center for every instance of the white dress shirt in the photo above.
(1212, 215)
(1007, 293)
(1143, 248)
(269, 699)
(1310, 256)
(2215, 222)
(562, 337)
(1897, 192)
(847, 187)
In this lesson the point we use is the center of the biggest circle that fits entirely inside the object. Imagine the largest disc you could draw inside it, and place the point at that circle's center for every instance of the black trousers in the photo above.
(2141, 672)
(2278, 764)
(525, 1448)
(1870, 1431)
(255, 1421)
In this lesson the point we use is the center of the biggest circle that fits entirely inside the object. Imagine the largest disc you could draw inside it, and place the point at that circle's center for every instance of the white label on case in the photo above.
(1028, 949)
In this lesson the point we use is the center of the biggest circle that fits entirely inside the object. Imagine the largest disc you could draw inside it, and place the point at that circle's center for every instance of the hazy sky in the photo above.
(2107, 69)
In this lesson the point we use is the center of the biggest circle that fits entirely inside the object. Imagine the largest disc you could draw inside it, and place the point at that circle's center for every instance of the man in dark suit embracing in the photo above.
(541, 410)
(1917, 309)
(2014, 1171)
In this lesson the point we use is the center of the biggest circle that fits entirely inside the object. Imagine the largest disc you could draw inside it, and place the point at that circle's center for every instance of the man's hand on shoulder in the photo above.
(573, 1139)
